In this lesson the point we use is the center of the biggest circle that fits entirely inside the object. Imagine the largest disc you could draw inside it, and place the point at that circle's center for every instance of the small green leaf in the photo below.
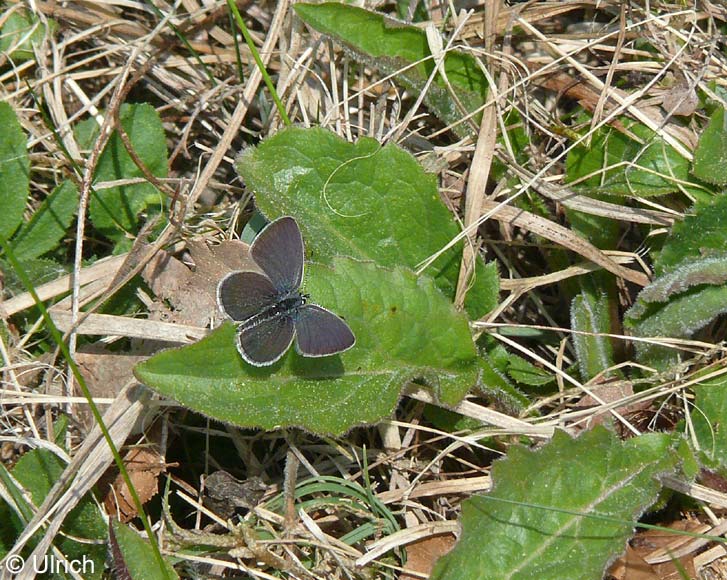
(20, 32)
(690, 465)
(494, 384)
(700, 234)
(527, 373)
(12, 525)
(693, 272)
(570, 505)
(710, 158)
(396, 48)
(449, 421)
(589, 313)
(14, 171)
(420, 13)
(602, 232)
(405, 330)
(617, 164)
(364, 201)
(115, 210)
(84, 530)
(40, 271)
(679, 318)
(137, 556)
(709, 417)
(48, 225)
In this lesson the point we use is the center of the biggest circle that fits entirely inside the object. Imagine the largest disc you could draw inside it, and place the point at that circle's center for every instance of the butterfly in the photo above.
(268, 307)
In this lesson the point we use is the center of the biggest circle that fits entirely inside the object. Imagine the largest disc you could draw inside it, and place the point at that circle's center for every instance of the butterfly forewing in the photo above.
(278, 250)
(319, 332)
(244, 294)
(264, 343)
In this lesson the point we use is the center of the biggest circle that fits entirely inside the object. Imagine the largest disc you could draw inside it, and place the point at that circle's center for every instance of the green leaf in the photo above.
(618, 164)
(420, 11)
(690, 465)
(405, 330)
(136, 555)
(693, 272)
(20, 32)
(18, 504)
(48, 225)
(709, 417)
(527, 373)
(449, 421)
(115, 210)
(84, 530)
(679, 318)
(394, 47)
(364, 201)
(493, 383)
(40, 271)
(12, 525)
(570, 505)
(602, 232)
(14, 171)
(710, 157)
(701, 234)
(589, 313)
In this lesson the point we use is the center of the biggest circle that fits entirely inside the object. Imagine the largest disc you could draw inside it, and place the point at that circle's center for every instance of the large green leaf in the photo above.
(405, 330)
(48, 225)
(14, 171)
(617, 164)
(396, 48)
(115, 210)
(361, 200)
(710, 157)
(564, 511)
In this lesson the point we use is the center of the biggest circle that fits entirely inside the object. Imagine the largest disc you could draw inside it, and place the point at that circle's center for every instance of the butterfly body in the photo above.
(268, 307)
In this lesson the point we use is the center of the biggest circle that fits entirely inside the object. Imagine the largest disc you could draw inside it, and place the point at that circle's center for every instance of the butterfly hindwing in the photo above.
(264, 343)
(319, 332)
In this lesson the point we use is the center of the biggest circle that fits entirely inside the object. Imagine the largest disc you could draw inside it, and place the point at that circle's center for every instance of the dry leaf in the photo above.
(713, 480)
(646, 542)
(422, 554)
(105, 374)
(192, 292)
(681, 99)
(631, 566)
(144, 465)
